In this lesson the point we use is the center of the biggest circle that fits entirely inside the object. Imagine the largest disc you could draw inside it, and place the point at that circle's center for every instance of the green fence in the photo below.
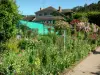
(42, 29)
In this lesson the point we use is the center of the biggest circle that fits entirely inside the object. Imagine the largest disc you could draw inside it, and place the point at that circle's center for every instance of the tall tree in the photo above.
(9, 17)
(91, 7)
(99, 2)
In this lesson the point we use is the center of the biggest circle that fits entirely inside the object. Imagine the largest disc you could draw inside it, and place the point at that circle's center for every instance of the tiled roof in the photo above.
(47, 9)
(53, 9)
(28, 18)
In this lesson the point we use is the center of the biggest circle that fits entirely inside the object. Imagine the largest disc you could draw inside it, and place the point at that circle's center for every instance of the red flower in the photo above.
(75, 21)
(93, 36)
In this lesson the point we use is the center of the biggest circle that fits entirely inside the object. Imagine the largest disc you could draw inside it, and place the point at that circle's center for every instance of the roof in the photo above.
(44, 18)
(53, 9)
(29, 18)
(47, 9)
(66, 10)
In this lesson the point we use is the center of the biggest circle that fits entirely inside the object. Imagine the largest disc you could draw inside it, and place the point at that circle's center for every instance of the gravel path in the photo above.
(89, 66)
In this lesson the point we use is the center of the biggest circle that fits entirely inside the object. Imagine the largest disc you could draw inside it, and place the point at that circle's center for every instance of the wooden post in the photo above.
(43, 28)
(64, 39)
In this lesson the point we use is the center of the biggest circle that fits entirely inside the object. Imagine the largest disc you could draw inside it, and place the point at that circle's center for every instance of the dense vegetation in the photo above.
(88, 12)
(92, 17)
(87, 8)
(49, 54)
(45, 54)
(9, 17)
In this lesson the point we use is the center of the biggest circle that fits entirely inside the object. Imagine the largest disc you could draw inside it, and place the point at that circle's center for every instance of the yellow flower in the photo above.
(37, 62)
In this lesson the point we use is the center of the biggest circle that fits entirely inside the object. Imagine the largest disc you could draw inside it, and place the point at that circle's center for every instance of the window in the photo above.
(48, 22)
(50, 13)
(45, 14)
(40, 14)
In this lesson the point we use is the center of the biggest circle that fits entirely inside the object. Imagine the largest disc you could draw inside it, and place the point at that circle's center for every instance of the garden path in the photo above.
(89, 66)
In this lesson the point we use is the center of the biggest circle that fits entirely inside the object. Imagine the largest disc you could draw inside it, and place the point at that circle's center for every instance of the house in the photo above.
(46, 15)
(28, 17)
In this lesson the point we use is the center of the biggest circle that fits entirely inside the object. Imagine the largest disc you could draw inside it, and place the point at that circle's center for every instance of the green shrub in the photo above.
(23, 44)
(9, 17)
(94, 17)
(53, 37)
(79, 15)
(15, 63)
(46, 39)
(12, 44)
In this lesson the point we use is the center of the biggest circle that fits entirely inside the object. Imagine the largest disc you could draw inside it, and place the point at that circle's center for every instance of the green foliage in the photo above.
(16, 63)
(12, 44)
(23, 44)
(46, 39)
(56, 13)
(77, 15)
(46, 55)
(43, 54)
(88, 8)
(66, 17)
(53, 37)
(94, 17)
(90, 13)
(9, 18)
(81, 16)
(27, 32)
(24, 29)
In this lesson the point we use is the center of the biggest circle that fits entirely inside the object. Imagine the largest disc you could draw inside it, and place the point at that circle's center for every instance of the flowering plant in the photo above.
(75, 21)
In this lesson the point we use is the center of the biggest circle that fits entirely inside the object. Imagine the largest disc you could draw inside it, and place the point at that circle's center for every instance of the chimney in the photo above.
(40, 8)
(60, 10)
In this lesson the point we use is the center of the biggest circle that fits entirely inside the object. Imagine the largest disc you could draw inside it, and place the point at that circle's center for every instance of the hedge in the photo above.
(93, 17)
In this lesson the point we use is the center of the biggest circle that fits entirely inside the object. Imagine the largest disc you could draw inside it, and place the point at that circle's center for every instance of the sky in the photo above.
(29, 7)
